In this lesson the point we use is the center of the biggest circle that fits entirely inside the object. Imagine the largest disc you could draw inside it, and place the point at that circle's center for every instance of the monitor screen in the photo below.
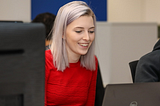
(22, 64)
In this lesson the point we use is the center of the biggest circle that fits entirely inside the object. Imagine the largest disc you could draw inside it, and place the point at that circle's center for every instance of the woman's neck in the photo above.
(73, 58)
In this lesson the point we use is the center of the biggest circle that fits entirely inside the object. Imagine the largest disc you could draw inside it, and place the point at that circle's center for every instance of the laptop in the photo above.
(132, 94)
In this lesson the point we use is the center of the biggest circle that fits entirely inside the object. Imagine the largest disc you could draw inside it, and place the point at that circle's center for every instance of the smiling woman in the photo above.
(66, 15)
(79, 37)
(71, 64)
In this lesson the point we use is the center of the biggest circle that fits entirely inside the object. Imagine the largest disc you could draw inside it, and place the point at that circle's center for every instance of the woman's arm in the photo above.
(92, 89)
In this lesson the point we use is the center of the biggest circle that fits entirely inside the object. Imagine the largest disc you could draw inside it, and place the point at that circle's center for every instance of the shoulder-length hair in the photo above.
(67, 14)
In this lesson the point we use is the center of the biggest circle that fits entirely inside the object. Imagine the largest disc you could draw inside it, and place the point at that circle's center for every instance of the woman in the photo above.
(70, 64)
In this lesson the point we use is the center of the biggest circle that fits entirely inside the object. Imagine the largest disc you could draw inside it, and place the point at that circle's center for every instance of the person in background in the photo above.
(70, 63)
(148, 67)
(48, 20)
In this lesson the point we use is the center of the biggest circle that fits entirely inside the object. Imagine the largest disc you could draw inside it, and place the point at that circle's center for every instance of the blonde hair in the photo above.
(67, 14)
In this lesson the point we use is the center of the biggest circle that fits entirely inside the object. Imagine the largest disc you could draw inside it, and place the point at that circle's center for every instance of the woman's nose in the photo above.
(86, 36)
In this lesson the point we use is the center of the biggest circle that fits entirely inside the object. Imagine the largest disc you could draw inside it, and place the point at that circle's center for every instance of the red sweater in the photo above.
(75, 86)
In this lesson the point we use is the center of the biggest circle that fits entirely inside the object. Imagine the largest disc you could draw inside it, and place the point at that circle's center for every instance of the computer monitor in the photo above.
(22, 64)
(10, 21)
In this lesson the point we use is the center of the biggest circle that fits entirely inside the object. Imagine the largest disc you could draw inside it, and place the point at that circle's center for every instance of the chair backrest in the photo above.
(133, 65)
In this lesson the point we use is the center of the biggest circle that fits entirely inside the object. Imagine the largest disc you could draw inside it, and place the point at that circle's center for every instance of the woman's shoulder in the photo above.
(48, 52)
(49, 59)
(48, 55)
(96, 59)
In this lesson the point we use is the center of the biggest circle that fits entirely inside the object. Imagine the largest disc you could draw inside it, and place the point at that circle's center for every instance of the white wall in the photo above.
(120, 43)
(15, 10)
(152, 11)
(134, 11)
(125, 10)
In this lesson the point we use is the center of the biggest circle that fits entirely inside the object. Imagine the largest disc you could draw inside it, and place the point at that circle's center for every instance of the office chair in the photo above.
(133, 65)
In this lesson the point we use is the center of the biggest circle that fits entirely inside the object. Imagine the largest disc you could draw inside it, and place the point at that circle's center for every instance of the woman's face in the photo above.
(79, 36)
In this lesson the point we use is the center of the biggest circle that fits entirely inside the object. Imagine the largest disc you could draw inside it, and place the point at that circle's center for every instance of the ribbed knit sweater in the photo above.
(75, 86)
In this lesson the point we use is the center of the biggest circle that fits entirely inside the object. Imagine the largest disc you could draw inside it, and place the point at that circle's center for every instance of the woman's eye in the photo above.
(78, 31)
(91, 31)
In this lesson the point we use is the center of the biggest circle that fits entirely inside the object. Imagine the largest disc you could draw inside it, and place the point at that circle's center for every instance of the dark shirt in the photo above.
(148, 67)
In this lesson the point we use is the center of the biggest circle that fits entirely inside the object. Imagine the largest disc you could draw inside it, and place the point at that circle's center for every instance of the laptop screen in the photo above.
(136, 94)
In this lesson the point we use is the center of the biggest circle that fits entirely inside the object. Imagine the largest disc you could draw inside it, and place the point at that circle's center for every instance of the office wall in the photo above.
(134, 11)
(118, 10)
(125, 10)
(120, 43)
(15, 10)
(52, 6)
(152, 11)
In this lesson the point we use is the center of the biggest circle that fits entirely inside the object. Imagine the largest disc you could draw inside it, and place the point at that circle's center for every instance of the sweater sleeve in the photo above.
(48, 63)
(92, 89)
